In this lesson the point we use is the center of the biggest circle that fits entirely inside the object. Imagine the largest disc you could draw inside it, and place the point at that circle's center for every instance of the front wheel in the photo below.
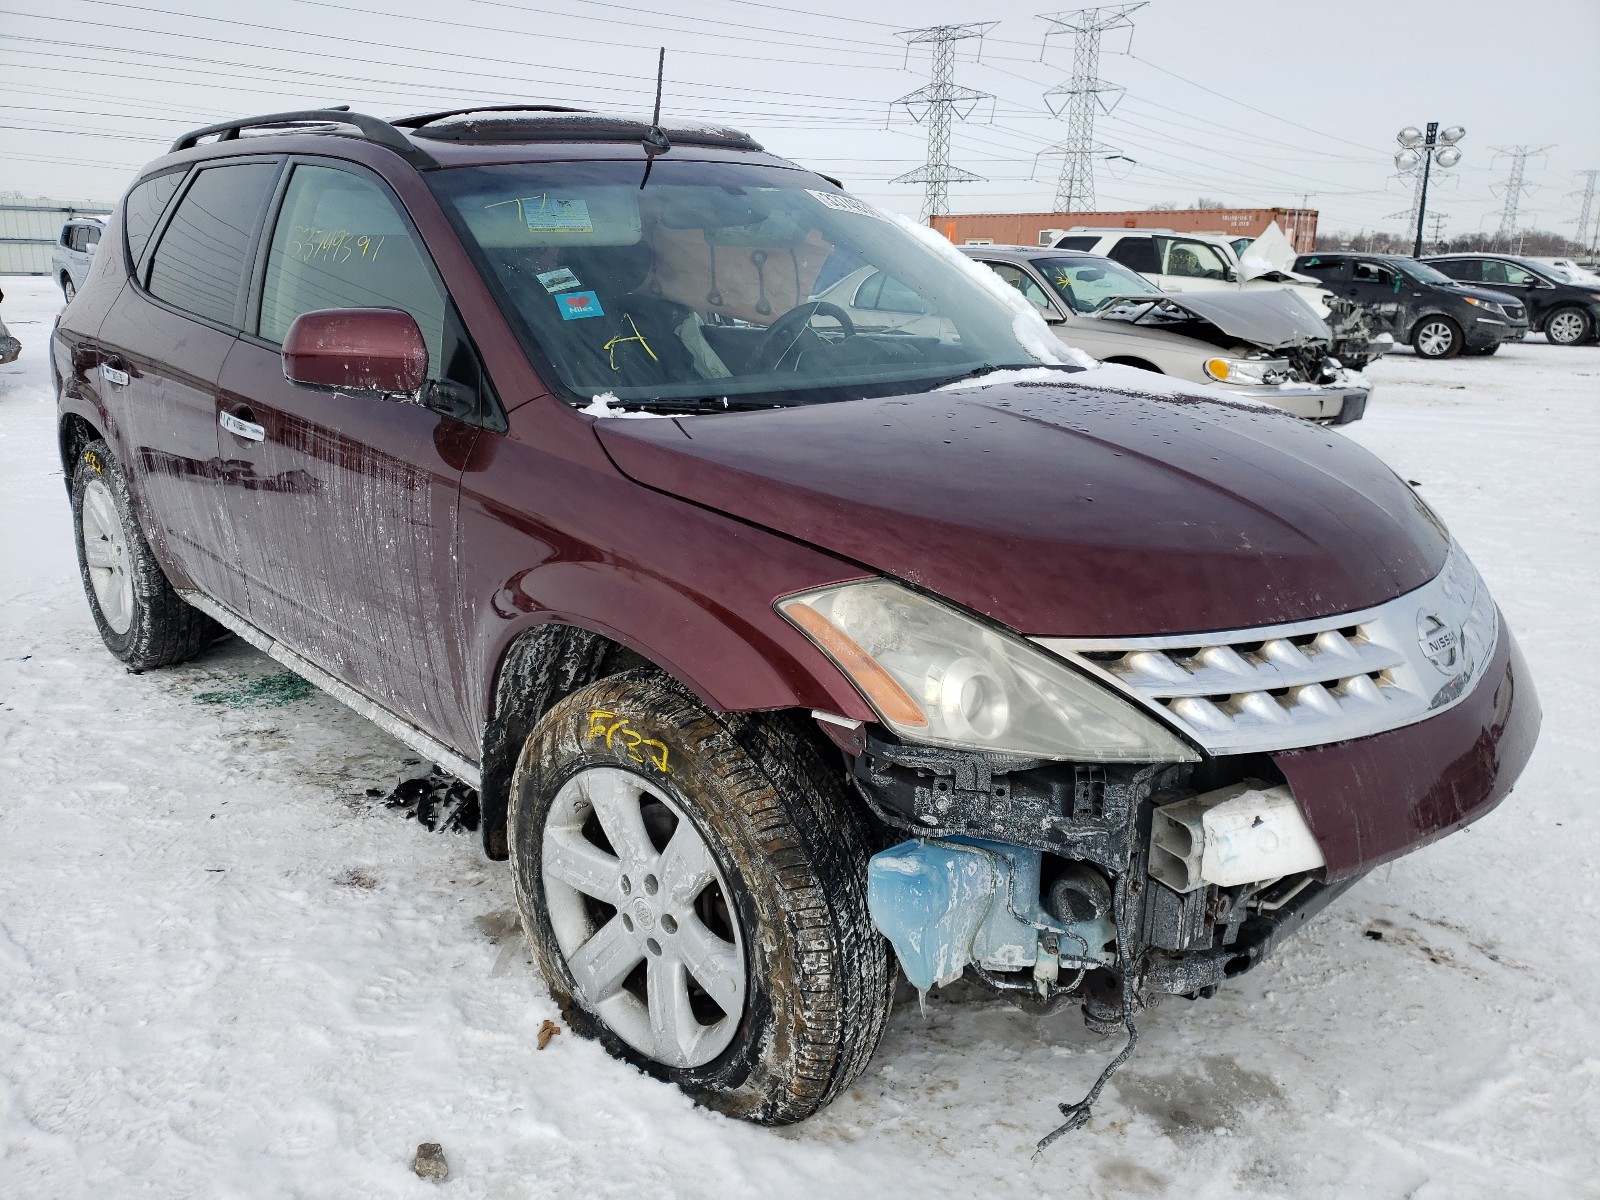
(694, 887)
(67, 288)
(1568, 326)
(1436, 337)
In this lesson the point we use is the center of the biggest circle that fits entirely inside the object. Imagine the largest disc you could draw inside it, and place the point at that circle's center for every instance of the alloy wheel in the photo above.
(642, 917)
(67, 288)
(1435, 339)
(1566, 328)
(105, 552)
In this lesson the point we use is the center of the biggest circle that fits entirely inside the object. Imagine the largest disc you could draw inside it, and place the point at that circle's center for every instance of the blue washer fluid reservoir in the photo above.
(929, 899)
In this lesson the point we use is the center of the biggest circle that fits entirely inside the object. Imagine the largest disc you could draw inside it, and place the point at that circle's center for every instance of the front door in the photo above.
(1379, 289)
(346, 503)
(162, 348)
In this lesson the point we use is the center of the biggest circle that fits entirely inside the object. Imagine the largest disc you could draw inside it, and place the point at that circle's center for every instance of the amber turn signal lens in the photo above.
(888, 697)
(1217, 368)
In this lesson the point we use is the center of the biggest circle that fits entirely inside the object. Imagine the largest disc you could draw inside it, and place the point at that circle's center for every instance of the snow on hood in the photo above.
(1272, 319)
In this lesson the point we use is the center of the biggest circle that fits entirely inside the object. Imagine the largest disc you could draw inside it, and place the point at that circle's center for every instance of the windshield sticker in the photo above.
(842, 203)
(579, 304)
(558, 281)
(545, 213)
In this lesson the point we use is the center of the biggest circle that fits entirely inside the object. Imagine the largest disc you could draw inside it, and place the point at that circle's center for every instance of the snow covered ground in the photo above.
(226, 971)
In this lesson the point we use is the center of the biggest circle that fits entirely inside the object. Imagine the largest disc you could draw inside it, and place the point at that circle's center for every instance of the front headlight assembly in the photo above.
(939, 677)
(1486, 305)
(1264, 372)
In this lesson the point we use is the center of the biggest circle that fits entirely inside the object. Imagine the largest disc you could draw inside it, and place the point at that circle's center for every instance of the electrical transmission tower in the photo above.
(1585, 209)
(1438, 219)
(1080, 96)
(940, 102)
(1519, 156)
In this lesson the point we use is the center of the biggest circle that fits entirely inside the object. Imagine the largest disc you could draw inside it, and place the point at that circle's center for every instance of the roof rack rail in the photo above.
(371, 128)
(421, 119)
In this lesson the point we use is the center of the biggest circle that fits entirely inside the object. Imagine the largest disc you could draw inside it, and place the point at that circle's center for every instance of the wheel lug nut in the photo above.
(652, 945)
(650, 885)
(627, 885)
(627, 922)
(669, 924)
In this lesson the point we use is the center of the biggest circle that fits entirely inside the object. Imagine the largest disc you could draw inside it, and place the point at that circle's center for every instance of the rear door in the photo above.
(163, 344)
(345, 503)
(1190, 265)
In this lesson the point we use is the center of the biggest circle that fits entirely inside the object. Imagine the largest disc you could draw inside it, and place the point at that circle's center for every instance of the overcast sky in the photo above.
(1251, 102)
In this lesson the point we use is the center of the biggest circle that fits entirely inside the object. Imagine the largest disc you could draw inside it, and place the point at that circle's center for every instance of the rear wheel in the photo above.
(694, 886)
(1568, 326)
(1436, 337)
(67, 288)
(141, 619)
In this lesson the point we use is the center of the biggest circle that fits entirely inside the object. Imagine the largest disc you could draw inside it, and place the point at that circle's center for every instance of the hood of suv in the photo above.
(1483, 293)
(1063, 508)
(1273, 320)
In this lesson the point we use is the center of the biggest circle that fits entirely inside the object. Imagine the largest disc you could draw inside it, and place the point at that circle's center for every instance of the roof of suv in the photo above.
(460, 136)
(1025, 252)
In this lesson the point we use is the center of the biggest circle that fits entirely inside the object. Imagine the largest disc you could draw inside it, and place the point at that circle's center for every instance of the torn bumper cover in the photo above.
(1014, 862)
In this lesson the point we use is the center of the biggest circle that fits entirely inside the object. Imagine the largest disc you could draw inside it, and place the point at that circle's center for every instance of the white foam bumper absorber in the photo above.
(1239, 834)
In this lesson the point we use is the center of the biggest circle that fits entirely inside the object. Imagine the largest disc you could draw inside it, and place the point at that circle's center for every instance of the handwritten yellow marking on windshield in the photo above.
(611, 346)
(610, 728)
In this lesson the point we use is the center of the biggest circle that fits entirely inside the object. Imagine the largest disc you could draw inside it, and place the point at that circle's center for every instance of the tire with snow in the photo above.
(694, 886)
(1436, 337)
(141, 619)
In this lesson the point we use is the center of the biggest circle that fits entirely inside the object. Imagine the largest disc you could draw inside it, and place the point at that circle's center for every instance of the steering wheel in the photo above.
(783, 333)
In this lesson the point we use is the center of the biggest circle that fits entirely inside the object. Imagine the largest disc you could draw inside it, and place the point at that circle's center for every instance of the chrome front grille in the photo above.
(1312, 682)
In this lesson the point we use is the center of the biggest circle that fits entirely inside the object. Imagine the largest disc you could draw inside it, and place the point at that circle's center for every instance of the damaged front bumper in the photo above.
(1083, 882)
(1330, 403)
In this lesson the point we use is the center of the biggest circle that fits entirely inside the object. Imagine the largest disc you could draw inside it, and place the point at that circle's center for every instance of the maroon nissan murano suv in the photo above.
(781, 649)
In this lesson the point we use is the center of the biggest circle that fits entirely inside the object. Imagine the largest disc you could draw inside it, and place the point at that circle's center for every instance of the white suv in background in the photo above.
(74, 251)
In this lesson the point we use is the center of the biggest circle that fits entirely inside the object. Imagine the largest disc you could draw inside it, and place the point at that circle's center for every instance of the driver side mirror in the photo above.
(357, 350)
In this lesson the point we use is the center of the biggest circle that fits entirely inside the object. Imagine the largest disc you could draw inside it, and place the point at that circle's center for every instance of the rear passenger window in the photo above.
(1468, 269)
(1137, 254)
(1077, 243)
(205, 250)
(341, 242)
(145, 205)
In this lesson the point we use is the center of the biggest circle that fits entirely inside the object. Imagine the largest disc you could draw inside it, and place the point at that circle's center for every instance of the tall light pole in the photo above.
(1421, 149)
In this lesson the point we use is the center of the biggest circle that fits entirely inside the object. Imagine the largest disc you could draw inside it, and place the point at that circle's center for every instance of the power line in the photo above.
(940, 102)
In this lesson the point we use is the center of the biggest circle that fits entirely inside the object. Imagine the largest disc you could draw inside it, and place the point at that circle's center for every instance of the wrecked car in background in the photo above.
(1129, 685)
(1186, 263)
(1250, 344)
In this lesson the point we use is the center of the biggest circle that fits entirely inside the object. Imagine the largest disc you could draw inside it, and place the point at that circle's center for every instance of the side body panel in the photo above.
(551, 531)
(345, 517)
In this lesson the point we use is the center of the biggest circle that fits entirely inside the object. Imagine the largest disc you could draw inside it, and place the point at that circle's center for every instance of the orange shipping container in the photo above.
(1299, 225)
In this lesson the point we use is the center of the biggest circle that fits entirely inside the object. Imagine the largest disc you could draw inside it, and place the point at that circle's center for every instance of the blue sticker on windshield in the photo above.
(579, 304)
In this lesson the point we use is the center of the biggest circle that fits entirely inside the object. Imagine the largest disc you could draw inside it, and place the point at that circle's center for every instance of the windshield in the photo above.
(1088, 284)
(1422, 273)
(729, 282)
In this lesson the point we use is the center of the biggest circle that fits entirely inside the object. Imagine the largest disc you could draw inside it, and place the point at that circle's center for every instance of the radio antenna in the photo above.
(655, 141)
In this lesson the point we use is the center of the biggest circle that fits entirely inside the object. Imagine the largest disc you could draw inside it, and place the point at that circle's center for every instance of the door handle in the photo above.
(111, 371)
(240, 428)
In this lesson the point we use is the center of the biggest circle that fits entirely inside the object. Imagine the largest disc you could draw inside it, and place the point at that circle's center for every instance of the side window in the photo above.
(1469, 269)
(882, 293)
(1022, 281)
(1515, 275)
(341, 242)
(1077, 242)
(1327, 269)
(205, 251)
(1137, 254)
(91, 236)
(143, 209)
(1193, 260)
(75, 237)
(1370, 272)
